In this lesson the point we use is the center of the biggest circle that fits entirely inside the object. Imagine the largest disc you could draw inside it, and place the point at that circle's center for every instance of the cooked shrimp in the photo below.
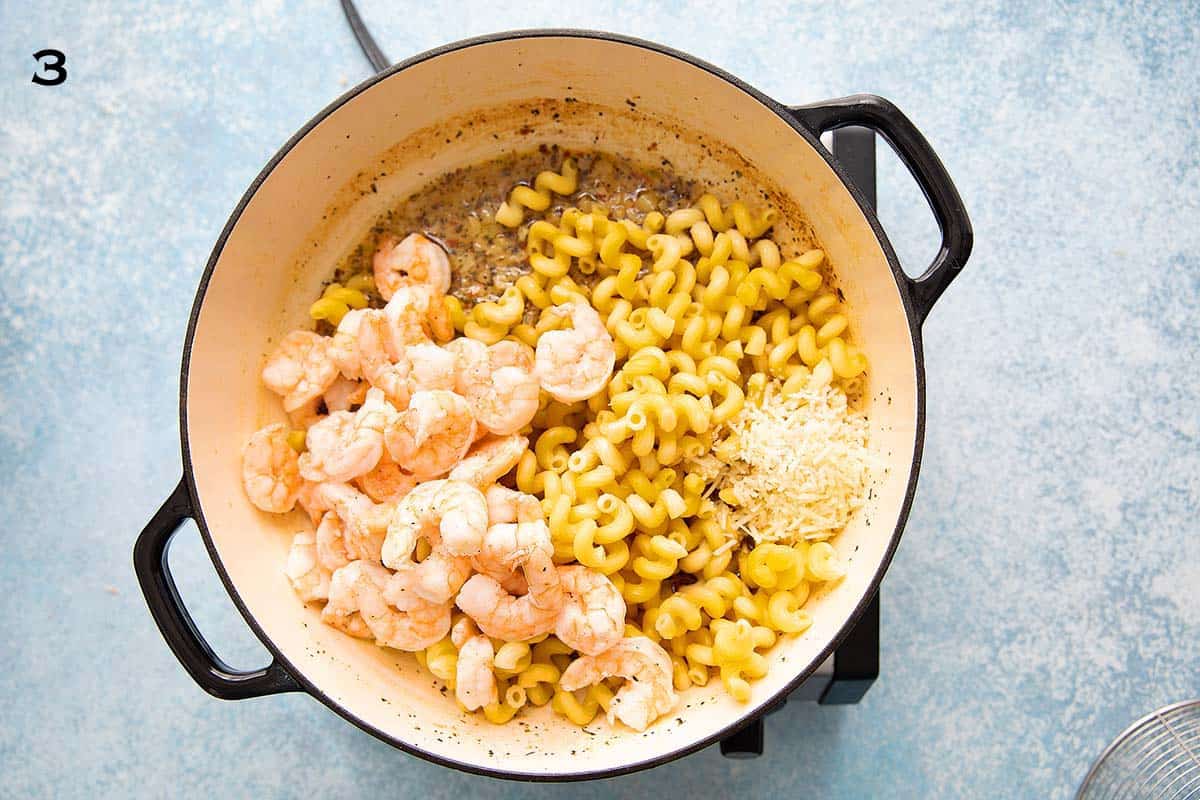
(341, 611)
(344, 394)
(330, 543)
(593, 613)
(647, 693)
(325, 440)
(510, 404)
(415, 629)
(490, 459)
(310, 498)
(345, 445)
(509, 505)
(507, 546)
(365, 523)
(300, 369)
(470, 353)
(270, 470)
(507, 401)
(435, 580)
(432, 434)
(309, 578)
(462, 510)
(430, 367)
(509, 353)
(576, 364)
(409, 523)
(514, 619)
(413, 260)
(400, 591)
(387, 483)
(462, 629)
(510, 545)
(418, 314)
(452, 515)
(497, 382)
(363, 584)
(379, 359)
(474, 674)
(343, 350)
(307, 415)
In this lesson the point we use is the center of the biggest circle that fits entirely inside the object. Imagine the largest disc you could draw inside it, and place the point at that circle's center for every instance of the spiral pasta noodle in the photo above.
(537, 197)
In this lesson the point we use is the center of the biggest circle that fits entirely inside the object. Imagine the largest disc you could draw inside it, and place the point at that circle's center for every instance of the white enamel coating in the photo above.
(311, 209)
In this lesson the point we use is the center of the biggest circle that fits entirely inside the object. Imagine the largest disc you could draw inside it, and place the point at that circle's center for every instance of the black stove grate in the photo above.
(856, 662)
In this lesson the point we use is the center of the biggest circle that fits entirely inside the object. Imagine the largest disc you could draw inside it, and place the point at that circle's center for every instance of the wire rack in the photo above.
(1156, 757)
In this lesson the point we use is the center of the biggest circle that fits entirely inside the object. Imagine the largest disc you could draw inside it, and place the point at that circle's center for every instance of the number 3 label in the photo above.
(52, 67)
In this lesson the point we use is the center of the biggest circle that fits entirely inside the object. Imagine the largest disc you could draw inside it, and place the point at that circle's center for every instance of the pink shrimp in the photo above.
(648, 692)
(300, 369)
(345, 445)
(380, 359)
(507, 546)
(474, 674)
(330, 542)
(387, 483)
(417, 314)
(361, 586)
(414, 260)
(593, 613)
(576, 364)
(504, 616)
(449, 514)
(432, 434)
(498, 383)
(310, 498)
(490, 459)
(270, 470)
(436, 579)
(343, 349)
(365, 524)
(509, 505)
(308, 577)
(344, 394)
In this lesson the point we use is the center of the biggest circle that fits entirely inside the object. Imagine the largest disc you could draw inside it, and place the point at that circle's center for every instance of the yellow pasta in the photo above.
(550, 452)
(784, 613)
(362, 282)
(823, 563)
(504, 313)
(580, 713)
(486, 333)
(513, 657)
(512, 212)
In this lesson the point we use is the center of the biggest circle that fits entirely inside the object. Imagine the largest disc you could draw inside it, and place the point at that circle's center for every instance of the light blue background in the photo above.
(1045, 593)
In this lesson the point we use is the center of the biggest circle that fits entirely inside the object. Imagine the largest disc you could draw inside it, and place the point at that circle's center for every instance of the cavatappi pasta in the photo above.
(721, 340)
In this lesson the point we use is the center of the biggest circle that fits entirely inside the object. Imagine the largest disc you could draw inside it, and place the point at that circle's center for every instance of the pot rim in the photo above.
(898, 275)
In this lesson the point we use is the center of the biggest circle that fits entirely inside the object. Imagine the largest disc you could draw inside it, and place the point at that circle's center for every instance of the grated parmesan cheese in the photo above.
(791, 468)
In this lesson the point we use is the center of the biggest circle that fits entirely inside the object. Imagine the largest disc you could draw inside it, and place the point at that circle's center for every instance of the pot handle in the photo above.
(881, 116)
(197, 657)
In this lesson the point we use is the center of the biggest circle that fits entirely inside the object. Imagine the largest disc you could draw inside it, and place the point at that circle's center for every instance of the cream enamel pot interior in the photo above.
(456, 106)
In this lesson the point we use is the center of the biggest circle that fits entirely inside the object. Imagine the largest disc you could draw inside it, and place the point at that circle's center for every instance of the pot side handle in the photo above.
(197, 657)
(881, 116)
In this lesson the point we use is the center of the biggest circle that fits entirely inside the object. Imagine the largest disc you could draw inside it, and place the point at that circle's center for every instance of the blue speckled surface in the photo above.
(1046, 592)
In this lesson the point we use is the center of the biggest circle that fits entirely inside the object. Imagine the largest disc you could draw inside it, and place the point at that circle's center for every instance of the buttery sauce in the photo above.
(458, 211)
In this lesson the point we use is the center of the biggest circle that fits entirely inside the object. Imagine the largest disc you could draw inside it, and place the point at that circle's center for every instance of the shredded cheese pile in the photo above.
(791, 468)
